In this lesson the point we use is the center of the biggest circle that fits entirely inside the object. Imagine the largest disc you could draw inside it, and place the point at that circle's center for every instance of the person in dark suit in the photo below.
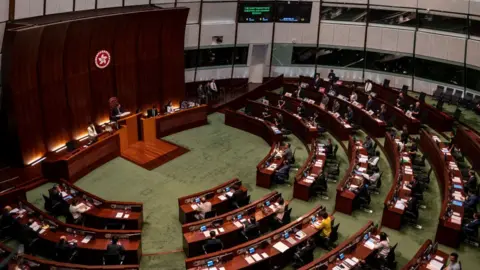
(64, 250)
(336, 106)
(266, 115)
(471, 228)
(304, 255)
(301, 110)
(213, 244)
(471, 183)
(117, 110)
(154, 111)
(298, 93)
(115, 251)
(329, 147)
(282, 174)
(368, 144)
(7, 223)
(278, 121)
(472, 200)
(405, 135)
(369, 104)
(238, 196)
(251, 229)
(331, 75)
(416, 110)
(400, 102)
(287, 153)
(317, 81)
(349, 115)
(27, 236)
(202, 97)
(382, 113)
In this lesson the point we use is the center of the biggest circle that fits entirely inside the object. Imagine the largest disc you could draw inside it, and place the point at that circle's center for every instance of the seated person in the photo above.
(382, 113)
(280, 209)
(416, 188)
(28, 236)
(335, 106)
(416, 110)
(373, 160)
(287, 152)
(266, 115)
(251, 229)
(369, 104)
(278, 121)
(329, 147)
(374, 177)
(400, 102)
(404, 135)
(238, 196)
(325, 226)
(282, 174)
(411, 208)
(64, 250)
(317, 82)
(471, 183)
(362, 195)
(55, 194)
(203, 207)
(471, 228)
(114, 252)
(213, 244)
(325, 100)
(281, 103)
(154, 111)
(472, 200)
(301, 110)
(76, 209)
(353, 96)
(169, 107)
(368, 144)
(304, 255)
(298, 93)
(92, 133)
(7, 217)
(383, 247)
(454, 264)
(455, 151)
(331, 76)
(349, 115)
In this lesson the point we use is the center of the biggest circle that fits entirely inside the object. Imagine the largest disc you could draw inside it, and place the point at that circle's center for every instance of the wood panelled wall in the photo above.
(53, 88)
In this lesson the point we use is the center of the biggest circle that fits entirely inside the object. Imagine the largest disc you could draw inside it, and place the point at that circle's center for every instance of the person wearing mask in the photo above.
(369, 104)
(280, 211)
(382, 247)
(416, 110)
(471, 183)
(202, 98)
(281, 103)
(282, 174)
(64, 250)
(336, 106)
(114, 251)
(214, 89)
(203, 207)
(76, 210)
(368, 86)
(331, 76)
(454, 263)
(317, 82)
(92, 133)
(353, 97)
(288, 153)
(213, 244)
(325, 226)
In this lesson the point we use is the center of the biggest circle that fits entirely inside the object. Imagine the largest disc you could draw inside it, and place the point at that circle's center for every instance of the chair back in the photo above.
(335, 149)
(286, 217)
(391, 255)
(245, 201)
(47, 203)
(212, 248)
(112, 259)
(210, 214)
(334, 234)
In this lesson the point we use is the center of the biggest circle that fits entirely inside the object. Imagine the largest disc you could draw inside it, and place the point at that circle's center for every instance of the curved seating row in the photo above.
(468, 140)
(428, 256)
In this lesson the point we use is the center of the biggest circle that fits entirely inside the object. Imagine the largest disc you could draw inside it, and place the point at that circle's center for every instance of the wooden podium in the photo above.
(128, 131)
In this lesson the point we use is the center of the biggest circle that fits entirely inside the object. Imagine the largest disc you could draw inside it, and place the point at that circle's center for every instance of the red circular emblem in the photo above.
(102, 59)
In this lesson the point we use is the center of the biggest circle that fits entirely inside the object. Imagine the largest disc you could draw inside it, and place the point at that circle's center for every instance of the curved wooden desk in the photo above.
(469, 141)
(339, 130)
(392, 213)
(89, 251)
(310, 170)
(102, 212)
(428, 254)
(345, 194)
(227, 226)
(216, 196)
(42, 264)
(450, 181)
(265, 247)
(353, 247)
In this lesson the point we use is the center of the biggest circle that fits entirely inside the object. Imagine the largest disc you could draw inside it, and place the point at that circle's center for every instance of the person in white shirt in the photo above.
(280, 209)
(353, 97)
(214, 89)
(203, 208)
(368, 86)
(92, 132)
(375, 176)
(373, 161)
(76, 210)
(383, 247)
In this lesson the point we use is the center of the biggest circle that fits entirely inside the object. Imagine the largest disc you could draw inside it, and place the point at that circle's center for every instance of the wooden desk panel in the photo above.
(234, 258)
(193, 238)
(74, 165)
(302, 188)
(469, 142)
(419, 259)
(181, 120)
(252, 125)
(186, 212)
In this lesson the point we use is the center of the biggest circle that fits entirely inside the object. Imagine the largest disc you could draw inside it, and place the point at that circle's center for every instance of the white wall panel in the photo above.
(349, 1)
(293, 72)
(219, 12)
(390, 39)
(84, 5)
(342, 34)
(425, 86)
(109, 3)
(163, 1)
(326, 33)
(254, 33)
(241, 72)
(225, 30)
(58, 6)
(136, 2)
(193, 12)
(475, 7)
(395, 3)
(28, 8)
(473, 53)
(459, 6)
(191, 35)
(4, 9)
(215, 73)
(189, 75)
(2, 33)
(395, 80)
(440, 46)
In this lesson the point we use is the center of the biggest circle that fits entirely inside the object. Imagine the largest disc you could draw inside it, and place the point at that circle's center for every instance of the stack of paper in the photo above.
(86, 239)
(308, 181)
(363, 160)
(456, 180)
(126, 216)
(300, 235)
(369, 244)
(119, 215)
(456, 220)
(435, 265)
(221, 230)
(229, 194)
(264, 255)
(280, 246)
(347, 125)
(291, 240)
(64, 194)
(399, 205)
(249, 260)
(238, 224)
(272, 206)
(222, 197)
(257, 257)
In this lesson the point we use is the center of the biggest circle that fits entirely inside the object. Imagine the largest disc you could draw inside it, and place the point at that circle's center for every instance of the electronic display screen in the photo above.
(255, 12)
(293, 12)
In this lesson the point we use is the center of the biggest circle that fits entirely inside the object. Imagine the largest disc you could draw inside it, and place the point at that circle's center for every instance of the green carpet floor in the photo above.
(219, 153)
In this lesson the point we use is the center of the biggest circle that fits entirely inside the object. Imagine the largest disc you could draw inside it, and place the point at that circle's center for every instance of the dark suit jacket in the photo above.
(64, 250)
(215, 244)
(318, 82)
(369, 104)
(251, 228)
(350, 117)
(472, 183)
(55, 196)
(115, 249)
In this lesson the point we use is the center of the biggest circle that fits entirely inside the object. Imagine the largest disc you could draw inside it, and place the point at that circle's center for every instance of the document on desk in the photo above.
(64, 194)
(229, 194)
(221, 230)
(264, 255)
(249, 260)
(86, 239)
(237, 224)
(280, 246)
(369, 244)
(291, 240)
(222, 197)
(257, 257)
(194, 206)
(42, 231)
(272, 206)
(438, 258)
(435, 265)
(119, 214)
(207, 234)
(399, 205)
(457, 180)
